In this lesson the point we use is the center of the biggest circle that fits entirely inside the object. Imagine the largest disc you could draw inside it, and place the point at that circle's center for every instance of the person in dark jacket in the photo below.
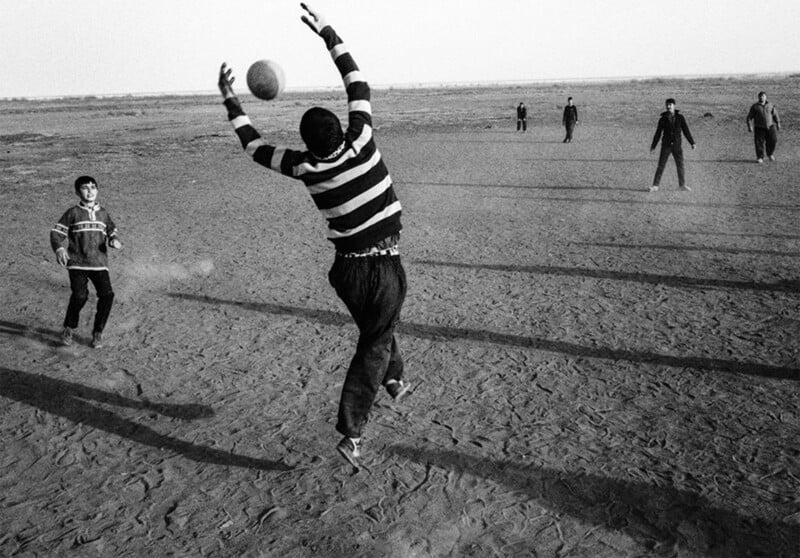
(522, 117)
(671, 125)
(569, 119)
(764, 117)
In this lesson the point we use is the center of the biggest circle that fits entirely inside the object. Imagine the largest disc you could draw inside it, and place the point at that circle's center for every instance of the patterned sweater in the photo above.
(352, 189)
(83, 232)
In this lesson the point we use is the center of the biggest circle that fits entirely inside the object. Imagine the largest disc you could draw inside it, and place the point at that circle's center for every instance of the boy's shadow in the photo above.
(652, 515)
(44, 336)
(77, 403)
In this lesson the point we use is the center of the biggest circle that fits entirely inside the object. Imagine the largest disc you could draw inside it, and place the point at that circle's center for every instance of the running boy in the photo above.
(79, 240)
(350, 185)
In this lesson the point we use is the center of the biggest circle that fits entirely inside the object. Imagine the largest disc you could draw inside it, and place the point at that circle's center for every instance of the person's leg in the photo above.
(760, 139)
(519, 124)
(524, 124)
(373, 289)
(677, 153)
(105, 299)
(662, 162)
(78, 284)
(771, 140)
(570, 129)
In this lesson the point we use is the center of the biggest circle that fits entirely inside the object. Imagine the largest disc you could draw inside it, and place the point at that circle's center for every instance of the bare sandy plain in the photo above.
(597, 371)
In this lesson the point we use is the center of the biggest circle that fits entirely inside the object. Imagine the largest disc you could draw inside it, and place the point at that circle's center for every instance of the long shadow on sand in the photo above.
(520, 186)
(650, 199)
(42, 335)
(785, 286)
(441, 333)
(74, 402)
(686, 248)
(650, 514)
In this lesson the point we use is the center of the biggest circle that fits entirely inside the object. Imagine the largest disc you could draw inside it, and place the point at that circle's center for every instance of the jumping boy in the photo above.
(671, 125)
(80, 240)
(350, 185)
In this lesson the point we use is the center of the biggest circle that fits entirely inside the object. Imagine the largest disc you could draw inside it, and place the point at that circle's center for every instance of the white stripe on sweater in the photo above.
(360, 106)
(357, 146)
(253, 145)
(353, 204)
(388, 212)
(277, 157)
(352, 77)
(346, 176)
(338, 50)
(240, 121)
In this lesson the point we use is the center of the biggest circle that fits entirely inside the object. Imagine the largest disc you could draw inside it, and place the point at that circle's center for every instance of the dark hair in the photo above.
(569, 98)
(321, 131)
(669, 101)
(762, 93)
(81, 180)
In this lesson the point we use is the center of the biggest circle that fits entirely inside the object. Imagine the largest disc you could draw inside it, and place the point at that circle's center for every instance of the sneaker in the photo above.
(654, 188)
(772, 157)
(66, 336)
(686, 188)
(97, 340)
(759, 161)
(397, 388)
(350, 449)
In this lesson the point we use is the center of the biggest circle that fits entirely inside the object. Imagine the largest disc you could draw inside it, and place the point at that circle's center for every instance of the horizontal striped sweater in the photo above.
(352, 189)
(84, 233)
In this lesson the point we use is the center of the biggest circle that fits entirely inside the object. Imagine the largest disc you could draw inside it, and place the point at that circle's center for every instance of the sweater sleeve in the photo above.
(686, 132)
(657, 136)
(59, 235)
(279, 159)
(359, 108)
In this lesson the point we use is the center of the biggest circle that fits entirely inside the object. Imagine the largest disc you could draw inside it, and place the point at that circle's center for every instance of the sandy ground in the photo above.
(597, 370)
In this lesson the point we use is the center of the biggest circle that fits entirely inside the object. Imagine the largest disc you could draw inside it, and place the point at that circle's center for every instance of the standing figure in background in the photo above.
(764, 116)
(569, 119)
(671, 125)
(522, 117)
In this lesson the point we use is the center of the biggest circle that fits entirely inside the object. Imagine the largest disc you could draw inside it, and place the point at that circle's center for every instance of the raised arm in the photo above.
(358, 93)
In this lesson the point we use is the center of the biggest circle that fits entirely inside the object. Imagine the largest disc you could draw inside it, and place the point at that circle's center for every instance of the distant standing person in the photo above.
(671, 125)
(765, 117)
(569, 119)
(522, 117)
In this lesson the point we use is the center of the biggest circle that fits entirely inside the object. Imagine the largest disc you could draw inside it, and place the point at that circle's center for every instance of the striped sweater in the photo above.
(352, 189)
(83, 232)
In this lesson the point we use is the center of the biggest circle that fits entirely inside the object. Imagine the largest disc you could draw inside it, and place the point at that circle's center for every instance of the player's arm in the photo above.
(657, 137)
(270, 156)
(111, 233)
(59, 239)
(750, 117)
(775, 118)
(358, 92)
(686, 132)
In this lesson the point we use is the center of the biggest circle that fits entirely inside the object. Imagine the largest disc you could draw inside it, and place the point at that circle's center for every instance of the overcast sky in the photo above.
(100, 47)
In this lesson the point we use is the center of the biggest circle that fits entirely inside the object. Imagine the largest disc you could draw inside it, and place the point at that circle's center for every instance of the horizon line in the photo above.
(419, 85)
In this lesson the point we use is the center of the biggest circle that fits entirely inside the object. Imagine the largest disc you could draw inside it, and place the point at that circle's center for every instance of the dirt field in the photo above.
(597, 371)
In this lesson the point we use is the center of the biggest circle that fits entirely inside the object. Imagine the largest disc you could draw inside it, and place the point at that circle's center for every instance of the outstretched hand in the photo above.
(314, 20)
(225, 82)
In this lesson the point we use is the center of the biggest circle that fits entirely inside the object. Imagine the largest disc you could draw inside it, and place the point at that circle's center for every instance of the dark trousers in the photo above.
(765, 138)
(570, 126)
(522, 123)
(78, 283)
(373, 288)
(677, 152)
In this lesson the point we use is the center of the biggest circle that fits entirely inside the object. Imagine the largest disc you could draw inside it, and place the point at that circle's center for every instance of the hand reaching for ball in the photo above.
(314, 20)
(225, 82)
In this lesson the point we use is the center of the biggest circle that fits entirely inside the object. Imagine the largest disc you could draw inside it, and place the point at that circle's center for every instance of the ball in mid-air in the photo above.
(265, 79)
